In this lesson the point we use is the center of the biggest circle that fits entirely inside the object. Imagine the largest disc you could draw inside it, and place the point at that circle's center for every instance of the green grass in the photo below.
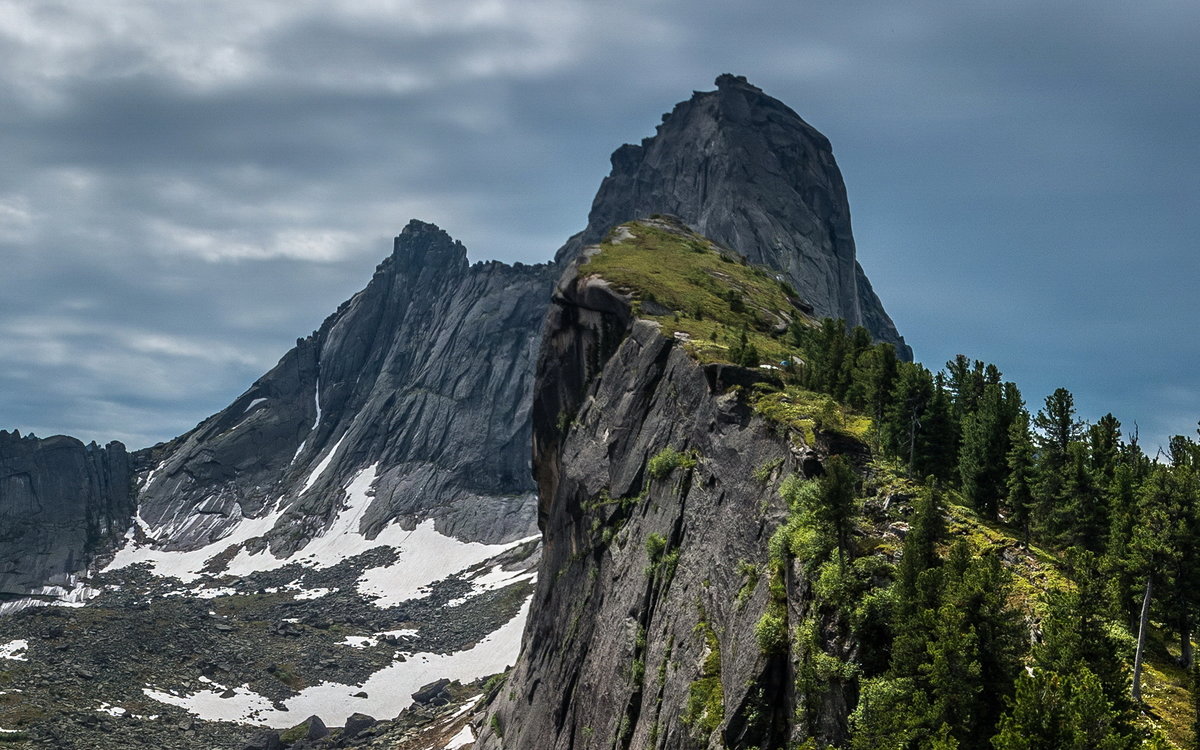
(1036, 572)
(710, 294)
(667, 460)
(1166, 689)
(705, 708)
(807, 413)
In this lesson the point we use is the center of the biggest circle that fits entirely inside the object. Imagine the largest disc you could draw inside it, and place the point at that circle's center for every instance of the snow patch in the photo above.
(464, 737)
(366, 641)
(15, 650)
(424, 556)
(186, 566)
(388, 691)
(253, 404)
(321, 467)
(495, 579)
(312, 593)
(71, 593)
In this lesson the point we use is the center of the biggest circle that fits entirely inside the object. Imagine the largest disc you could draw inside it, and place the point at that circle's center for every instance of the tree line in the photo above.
(1126, 526)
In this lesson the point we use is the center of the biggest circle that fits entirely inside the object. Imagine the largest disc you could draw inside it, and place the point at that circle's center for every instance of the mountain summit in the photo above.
(743, 169)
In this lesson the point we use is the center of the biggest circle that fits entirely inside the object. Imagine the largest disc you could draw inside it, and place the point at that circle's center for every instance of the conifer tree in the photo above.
(982, 456)
(1056, 428)
(1020, 480)
(1083, 512)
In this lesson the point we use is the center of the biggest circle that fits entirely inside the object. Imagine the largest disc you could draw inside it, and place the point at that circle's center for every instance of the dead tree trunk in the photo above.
(1143, 623)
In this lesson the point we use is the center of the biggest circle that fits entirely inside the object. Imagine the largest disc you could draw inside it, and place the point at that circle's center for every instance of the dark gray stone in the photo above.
(429, 692)
(356, 724)
(264, 741)
(316, 728)
(743, 169)
(60, 502)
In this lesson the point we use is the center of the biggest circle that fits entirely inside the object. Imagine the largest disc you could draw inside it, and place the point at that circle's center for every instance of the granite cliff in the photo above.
(61, 502)
(659, 490)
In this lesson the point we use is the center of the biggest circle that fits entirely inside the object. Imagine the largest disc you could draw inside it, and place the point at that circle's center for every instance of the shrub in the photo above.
(666, 461)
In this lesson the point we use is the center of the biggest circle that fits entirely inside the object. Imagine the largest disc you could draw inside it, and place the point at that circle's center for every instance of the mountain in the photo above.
(424, 376)
(367, 509)
(744, 170)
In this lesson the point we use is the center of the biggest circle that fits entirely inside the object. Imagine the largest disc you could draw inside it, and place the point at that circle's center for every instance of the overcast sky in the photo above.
(188, 187)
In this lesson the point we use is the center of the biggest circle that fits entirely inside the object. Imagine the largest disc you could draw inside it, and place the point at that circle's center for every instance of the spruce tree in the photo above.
(1021, 477)
(982, 459)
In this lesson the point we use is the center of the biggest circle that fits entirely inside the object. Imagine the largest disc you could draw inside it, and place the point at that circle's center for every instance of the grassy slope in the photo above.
(683, 281)
(665, 266)
(707, 297)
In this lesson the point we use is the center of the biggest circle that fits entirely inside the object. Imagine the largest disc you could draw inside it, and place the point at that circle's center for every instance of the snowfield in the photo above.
(389, 691)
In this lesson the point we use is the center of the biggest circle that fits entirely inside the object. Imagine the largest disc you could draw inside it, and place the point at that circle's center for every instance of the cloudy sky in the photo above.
(188, 187)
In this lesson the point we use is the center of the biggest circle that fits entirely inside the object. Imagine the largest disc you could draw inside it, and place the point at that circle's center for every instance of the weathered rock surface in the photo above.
(60, 501)
(426, 372)
(744, 170)
(630, 595)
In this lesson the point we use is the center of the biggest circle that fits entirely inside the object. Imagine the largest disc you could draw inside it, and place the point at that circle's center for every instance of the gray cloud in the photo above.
(189, 187)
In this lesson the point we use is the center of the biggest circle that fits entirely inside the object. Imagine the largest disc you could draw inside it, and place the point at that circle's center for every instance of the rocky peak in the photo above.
(422, 246)
(745, 170)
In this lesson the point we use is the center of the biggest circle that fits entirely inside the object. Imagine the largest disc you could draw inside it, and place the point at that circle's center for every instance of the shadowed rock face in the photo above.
(744, 170)
(60, 500)
(427, 372)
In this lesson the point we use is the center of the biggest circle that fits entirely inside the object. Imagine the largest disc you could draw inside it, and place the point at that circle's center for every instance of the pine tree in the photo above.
(982, 460)
(1056, 428)
(1056, 423)
(1057, 711)
(874, 377)
(839, 491)
(1104, 441)
(903, 416)
(1083, 512)
(1020, 475)
(1149, 549)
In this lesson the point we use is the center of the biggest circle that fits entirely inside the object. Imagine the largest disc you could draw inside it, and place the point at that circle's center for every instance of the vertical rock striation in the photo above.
(642, 631)
(60, 501)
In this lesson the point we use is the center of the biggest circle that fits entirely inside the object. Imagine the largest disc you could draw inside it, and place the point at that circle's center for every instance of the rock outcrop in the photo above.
(60, 502)
(642, 632)
(743, 169)
(425, 374)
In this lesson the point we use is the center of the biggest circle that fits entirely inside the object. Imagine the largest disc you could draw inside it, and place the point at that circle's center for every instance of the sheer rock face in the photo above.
(60, 501)
(744, 170)
(427, 373)
(618, 635)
